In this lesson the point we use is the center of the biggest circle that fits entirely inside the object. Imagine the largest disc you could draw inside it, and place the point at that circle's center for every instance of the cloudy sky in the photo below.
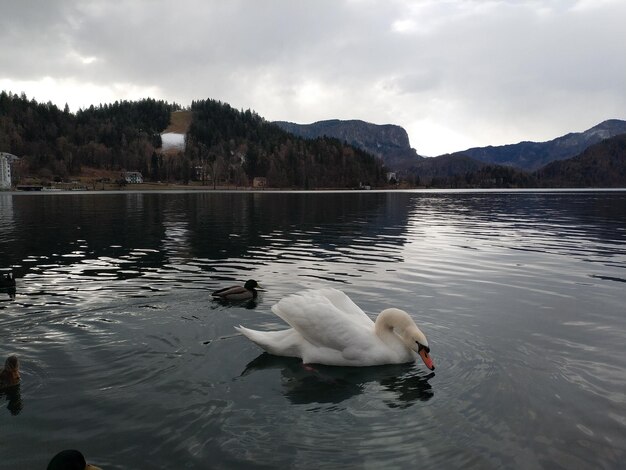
(454, 73)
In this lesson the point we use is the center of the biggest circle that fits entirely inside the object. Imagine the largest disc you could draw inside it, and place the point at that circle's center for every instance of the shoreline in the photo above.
(151, 188)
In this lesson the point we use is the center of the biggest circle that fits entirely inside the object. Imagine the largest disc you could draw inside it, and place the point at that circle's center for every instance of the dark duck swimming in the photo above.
(248, 291)
(7, 280)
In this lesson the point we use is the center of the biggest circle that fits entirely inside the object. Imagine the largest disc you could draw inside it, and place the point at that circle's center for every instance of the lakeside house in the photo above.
(259, 182)
(6, 160)
(132, 177)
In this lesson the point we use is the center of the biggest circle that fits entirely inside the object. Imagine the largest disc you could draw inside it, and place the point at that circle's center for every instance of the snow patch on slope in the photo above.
(173, 140)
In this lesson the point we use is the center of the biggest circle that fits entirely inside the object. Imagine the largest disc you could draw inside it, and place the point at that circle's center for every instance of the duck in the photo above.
(328, 328)
(7, 280)
(70, 459)
(10, 374)
(248, 291)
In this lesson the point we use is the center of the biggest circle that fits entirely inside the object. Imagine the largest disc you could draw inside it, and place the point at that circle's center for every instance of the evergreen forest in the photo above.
(224, 146)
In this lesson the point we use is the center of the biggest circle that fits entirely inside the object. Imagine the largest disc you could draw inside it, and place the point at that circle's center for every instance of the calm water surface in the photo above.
(126, 357)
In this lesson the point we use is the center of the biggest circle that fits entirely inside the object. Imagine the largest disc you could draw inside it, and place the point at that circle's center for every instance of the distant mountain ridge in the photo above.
(600, 165)
(391, 143)
(386, 141)
(531, 156)
(224, 145)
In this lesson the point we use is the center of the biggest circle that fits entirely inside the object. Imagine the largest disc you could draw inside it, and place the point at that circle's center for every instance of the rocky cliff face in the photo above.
(388, 142)
(533, 155)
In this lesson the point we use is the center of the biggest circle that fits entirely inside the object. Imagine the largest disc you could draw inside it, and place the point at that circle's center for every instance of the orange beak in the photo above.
(427, 360)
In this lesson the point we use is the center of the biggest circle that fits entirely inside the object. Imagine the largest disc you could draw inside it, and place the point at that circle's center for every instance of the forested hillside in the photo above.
(58, 144)
(485, 176)
(230, 147)
(224, 145)
(601, 165)
(234, 145)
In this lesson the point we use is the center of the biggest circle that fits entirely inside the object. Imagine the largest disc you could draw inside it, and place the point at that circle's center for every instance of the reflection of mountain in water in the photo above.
(64, 229)
(328, 221)
(145, 230)
(124, 234)
(326, 384)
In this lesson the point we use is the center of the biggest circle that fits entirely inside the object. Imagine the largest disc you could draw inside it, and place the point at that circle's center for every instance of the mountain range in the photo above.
(537, 160)
(599, 165)
(388, 142)
(235, 147)
(531, 156)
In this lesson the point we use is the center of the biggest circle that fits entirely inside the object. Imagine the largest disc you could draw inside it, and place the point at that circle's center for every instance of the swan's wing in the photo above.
(316, 316)
(346, 305)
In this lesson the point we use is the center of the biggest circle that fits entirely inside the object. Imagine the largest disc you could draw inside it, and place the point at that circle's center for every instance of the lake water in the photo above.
(125, 356)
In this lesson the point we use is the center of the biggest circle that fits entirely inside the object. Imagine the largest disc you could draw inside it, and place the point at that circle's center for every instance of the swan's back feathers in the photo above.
(346, 305)
(325, 318)
(289, 306)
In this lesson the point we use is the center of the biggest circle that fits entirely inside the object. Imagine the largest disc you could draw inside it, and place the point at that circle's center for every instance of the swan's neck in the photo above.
(394, 323)
(393, 318)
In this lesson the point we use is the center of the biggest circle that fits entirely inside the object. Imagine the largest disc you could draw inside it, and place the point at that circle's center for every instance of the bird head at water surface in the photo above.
(70, 459)
(10, 374)
(419, 344)
(410, 333)
(424, 353)
(7, 284)
(252, 284)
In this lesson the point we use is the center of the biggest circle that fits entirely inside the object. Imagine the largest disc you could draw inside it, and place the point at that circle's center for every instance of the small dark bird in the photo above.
(248, 291)
(70, 460)
(10, 375)
(7, 280)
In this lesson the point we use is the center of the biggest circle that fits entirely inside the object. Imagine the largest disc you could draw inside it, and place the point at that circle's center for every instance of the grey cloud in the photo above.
(486, 70)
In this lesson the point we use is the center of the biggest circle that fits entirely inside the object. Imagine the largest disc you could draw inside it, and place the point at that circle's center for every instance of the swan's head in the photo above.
(424, 352)
(411, 335)
(417, 342)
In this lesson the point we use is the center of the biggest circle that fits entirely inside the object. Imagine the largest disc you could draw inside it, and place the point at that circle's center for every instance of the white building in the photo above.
(133, 177)
(5, 169)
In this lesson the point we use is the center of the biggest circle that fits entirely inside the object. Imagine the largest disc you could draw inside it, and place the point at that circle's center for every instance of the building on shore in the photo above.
(259, 182)
(132, 177)
(6, 160)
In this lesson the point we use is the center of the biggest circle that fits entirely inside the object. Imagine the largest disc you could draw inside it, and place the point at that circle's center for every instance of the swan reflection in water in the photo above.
(305, 384)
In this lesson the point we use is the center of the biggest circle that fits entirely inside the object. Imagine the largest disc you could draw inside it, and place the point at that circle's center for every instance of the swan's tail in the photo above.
(280, 343)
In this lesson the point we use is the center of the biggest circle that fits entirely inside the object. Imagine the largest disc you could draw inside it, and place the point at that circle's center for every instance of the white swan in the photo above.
(328, 328)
